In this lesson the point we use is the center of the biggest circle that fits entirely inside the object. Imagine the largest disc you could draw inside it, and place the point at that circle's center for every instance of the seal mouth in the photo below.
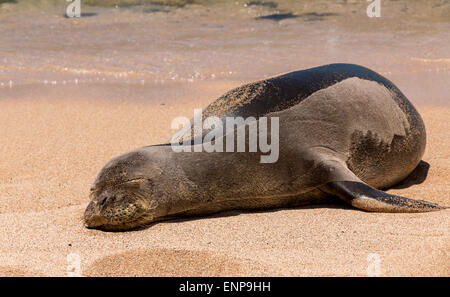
(138, 223)
(99, 221)
(114, 226)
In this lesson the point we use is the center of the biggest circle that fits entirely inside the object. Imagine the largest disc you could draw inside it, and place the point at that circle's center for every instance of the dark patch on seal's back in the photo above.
(278, 93)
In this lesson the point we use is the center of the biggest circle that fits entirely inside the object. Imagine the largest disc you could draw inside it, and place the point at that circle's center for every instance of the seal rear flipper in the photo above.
(363, 196)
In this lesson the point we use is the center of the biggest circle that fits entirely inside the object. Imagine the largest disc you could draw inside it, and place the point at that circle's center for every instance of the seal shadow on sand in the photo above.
(171, 262)
(416, 177)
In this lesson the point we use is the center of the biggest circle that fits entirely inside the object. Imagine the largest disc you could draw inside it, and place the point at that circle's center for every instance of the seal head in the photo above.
(121, 194)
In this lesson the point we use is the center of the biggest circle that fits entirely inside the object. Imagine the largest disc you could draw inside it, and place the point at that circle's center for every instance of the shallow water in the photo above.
(170, 46)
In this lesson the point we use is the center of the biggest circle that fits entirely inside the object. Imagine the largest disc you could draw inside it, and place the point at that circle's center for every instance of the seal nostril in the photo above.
(103, 201)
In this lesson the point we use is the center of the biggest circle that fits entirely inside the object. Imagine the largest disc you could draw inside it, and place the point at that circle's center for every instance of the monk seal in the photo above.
(344, 131)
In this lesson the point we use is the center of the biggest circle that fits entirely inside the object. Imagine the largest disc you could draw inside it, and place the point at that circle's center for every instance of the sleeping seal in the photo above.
(344, 131)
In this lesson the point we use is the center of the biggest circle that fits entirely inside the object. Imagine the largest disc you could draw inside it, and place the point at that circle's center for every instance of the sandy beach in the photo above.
(60, 125)
(46, 176)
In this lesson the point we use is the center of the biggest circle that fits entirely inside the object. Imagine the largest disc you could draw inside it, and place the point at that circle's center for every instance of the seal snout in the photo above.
(95, 214)
(92, 216)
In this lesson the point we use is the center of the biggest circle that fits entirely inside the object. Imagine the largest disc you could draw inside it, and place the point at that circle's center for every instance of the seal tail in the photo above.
(363, 196)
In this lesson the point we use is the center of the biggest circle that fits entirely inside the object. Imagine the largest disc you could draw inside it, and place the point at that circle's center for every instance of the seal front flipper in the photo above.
(363, 196)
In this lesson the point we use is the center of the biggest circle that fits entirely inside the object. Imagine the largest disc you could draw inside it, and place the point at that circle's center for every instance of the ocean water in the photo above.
(181, 42)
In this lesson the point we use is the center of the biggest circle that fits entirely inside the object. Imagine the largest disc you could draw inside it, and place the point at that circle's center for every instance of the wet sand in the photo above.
(71, 102)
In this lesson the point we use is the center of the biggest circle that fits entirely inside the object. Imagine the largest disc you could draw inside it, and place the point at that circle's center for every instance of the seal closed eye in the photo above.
(344, 131)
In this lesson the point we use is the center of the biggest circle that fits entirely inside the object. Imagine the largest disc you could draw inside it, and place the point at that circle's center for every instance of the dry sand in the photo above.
(52, 150)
